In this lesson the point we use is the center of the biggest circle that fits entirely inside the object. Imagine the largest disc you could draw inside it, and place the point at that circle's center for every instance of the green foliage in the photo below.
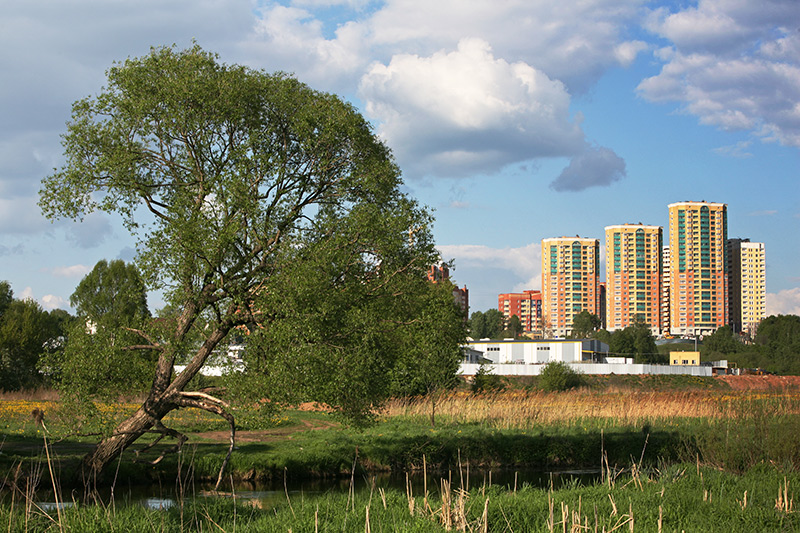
(488, 325)
(514, 328)
(776, 347)
(112, 294)
(485, 381)
(271, 206)
(27, 333)
(584, 325)
(558, 376)
(638, 341)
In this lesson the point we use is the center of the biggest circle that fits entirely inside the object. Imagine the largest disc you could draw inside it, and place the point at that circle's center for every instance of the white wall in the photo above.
(589, 368)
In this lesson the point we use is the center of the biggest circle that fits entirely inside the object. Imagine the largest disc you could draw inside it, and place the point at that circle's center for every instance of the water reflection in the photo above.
(268, 494)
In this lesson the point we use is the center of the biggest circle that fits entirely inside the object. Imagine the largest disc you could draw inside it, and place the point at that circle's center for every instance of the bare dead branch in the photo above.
(206, 397)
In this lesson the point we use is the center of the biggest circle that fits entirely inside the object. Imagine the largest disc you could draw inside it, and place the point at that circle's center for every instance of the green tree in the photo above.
(488, 325)
(477, 325)
(778, 342)
(636, 340)
(6, 296)
(485, 381)
(514, 327)
(271, 206)
(584, 325)
(26, 333)
(431, 347)
(113, 294)
(722, 342)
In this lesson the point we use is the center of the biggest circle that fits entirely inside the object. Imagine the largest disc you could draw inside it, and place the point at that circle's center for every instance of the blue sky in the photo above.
(514, 121)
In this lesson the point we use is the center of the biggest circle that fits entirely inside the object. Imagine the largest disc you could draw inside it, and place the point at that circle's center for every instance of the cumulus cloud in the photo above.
(785, 302)
(466, 111)
(595, 167)
(50, 302)
(735, 65)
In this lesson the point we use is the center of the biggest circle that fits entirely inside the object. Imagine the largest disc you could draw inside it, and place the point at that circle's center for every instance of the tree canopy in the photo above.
(27, 333)
(584, 325)
(488, 325)
(259, 203)
(112, 293)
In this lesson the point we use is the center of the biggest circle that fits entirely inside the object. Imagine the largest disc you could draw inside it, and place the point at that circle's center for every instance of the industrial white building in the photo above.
(510, 357)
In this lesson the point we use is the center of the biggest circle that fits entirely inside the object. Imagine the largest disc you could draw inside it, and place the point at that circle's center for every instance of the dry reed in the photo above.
(525, 409)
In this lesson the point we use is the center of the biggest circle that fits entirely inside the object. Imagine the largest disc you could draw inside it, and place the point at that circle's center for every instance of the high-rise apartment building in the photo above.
(633, 276)
(747, 285)
(698, 232)
(665, 273)
(570, 276)
(527, 305)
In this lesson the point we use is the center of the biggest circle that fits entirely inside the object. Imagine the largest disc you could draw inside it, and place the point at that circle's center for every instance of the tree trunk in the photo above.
(163, 398)
(124, 435)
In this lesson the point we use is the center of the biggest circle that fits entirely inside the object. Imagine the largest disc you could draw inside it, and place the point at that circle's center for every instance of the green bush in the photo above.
(485, 381)
(558, 376)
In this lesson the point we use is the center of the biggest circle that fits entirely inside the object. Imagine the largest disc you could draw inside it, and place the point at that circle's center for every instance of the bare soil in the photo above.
(762, 383)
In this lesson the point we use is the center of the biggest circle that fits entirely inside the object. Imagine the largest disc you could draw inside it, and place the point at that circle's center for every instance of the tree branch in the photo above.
(211, 406)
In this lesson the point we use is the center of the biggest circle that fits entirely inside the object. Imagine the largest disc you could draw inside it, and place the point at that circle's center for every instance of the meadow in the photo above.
(693, 457)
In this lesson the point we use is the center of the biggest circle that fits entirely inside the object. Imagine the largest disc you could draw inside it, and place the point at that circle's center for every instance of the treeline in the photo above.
(775, 348)
(634, 341)
(27, 333)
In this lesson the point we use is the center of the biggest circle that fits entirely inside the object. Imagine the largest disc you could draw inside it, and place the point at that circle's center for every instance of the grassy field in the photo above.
(676, 498)
(687, 449)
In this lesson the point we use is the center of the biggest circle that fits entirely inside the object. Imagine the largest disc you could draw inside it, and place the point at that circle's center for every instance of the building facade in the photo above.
(437, 273)
(527, 305)
(633, 276)
(665, 277)
(747, 285)
(698, 294)
(570, 276)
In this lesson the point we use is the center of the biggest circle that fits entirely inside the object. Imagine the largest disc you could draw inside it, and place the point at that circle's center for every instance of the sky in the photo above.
(513, 121)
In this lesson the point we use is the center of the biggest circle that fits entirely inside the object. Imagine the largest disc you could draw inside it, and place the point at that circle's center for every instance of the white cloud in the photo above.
(738, 150)
(785, 302)
(525, 262)
(733, 64)
(73, 271)
(26, 294)
(50, 302)
(465, 111)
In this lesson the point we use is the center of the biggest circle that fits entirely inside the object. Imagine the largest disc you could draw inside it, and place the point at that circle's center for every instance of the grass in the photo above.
(518, 428)
(680, 497)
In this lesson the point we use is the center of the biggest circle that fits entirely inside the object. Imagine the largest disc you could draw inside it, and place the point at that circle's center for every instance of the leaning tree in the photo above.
(259, 203)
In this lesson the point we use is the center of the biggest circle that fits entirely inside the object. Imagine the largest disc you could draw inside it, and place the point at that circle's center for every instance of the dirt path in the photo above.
(267, 435)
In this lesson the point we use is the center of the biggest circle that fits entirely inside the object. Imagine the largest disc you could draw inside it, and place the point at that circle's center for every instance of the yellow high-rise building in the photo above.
(698, 232)
(633, 276)
(570, 276)
(747, 285)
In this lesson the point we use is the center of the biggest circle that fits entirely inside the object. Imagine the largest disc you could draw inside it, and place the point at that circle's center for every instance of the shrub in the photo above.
(485, 381)
(558, 376)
